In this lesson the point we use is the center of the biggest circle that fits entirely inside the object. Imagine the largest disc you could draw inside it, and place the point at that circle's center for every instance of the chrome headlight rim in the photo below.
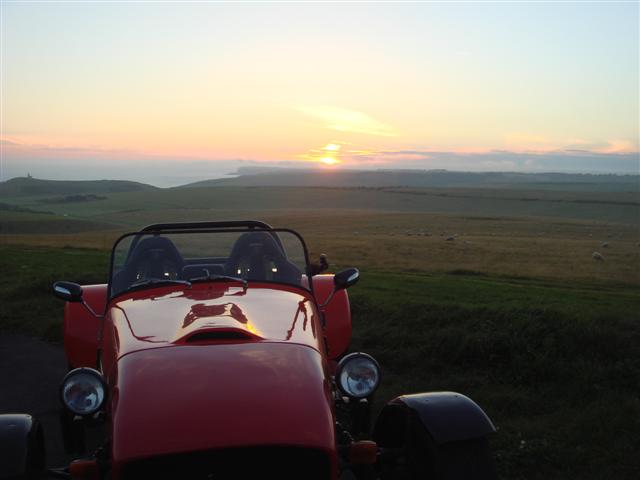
(344, 361)
(83, 371)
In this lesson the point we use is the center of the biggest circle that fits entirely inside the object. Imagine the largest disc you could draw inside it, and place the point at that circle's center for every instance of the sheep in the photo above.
(450, 239)
(605, 244)
(597, 256)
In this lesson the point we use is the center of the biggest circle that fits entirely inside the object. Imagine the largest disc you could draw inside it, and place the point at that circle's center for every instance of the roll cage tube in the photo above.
(234, 226)
(250, 224)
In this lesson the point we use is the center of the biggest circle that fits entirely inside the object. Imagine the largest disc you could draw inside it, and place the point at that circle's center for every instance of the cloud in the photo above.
(15, 147)
(599, 160)
(568, 161)
(345, 120)
(532, 143)
(618, 146)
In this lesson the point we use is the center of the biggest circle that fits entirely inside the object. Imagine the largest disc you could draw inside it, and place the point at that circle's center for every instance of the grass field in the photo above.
(514, 311)
(125, 208)
(529, 233)
(543, 248)
(556, 366)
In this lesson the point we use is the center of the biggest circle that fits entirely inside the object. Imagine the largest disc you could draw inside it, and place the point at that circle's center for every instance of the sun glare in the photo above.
(330, 154)
(329, 160)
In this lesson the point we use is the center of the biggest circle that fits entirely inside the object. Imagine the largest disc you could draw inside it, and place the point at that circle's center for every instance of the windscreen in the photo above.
(143, 260)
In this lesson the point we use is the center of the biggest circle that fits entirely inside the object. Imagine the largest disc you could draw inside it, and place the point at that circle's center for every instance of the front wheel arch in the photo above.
(22, 453)
(469, 459)
(440, 436)
(447, 416)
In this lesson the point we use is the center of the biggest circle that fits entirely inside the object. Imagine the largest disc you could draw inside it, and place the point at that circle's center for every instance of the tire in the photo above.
(22, 454)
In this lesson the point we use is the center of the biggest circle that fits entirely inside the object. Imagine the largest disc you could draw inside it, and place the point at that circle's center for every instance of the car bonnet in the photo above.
(197, 398)
(212, 314)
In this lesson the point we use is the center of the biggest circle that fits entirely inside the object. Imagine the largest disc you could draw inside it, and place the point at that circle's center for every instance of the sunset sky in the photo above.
(195, 90)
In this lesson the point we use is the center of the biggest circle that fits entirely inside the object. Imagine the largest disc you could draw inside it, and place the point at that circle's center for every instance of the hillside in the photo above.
(28, 186)
(274, 177)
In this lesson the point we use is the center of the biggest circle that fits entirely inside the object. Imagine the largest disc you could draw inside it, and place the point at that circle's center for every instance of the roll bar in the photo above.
(250, 224)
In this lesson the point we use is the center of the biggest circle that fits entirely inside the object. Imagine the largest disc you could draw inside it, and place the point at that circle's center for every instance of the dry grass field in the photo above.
(534, 247)
(543, 234)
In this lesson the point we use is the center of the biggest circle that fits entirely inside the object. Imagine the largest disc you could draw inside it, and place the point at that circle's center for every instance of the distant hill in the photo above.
(28, 186)
(274, 177)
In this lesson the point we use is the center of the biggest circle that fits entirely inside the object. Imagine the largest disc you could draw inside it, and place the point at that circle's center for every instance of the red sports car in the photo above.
(217, 350)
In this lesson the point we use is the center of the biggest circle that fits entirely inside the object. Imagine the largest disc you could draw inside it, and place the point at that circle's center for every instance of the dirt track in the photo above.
(30, 375)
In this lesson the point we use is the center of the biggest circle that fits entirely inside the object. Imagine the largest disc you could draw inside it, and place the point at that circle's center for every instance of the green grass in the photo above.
(25, 186)
(26, 302)
(125, 207)
(21, 222)
(555, 365)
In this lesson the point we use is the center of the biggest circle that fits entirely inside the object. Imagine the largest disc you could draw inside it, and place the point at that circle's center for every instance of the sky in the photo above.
(174, 92)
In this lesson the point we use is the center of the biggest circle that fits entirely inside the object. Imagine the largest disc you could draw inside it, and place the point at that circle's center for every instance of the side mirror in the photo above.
(346, 278)
(342, 280)
(68, 291)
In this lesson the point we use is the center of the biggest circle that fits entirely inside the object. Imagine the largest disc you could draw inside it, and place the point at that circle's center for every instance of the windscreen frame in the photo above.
(212, 228)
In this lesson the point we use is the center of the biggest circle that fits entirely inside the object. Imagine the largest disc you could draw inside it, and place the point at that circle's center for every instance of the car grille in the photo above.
(237, 463)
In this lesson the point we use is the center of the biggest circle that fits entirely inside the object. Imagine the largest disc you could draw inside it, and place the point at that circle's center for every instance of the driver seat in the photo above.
(153, 257)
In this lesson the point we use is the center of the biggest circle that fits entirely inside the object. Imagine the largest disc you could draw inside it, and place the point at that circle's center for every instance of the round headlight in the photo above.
(83, 391)
(358, 375)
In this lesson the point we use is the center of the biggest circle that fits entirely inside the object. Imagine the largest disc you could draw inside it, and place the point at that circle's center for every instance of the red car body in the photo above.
(235, 374)
(183, 356)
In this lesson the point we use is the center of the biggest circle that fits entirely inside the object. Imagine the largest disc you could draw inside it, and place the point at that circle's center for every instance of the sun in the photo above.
(329, 155)
(329, 160)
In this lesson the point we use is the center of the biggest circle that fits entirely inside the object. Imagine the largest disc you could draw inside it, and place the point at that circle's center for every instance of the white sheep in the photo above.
(597, 256)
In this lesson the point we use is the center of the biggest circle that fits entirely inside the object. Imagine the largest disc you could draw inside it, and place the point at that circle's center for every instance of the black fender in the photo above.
(22, 452)
(447, 416)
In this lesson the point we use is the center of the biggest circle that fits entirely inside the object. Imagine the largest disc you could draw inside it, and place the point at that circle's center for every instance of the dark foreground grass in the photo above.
(556, 366)
(26, 302)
